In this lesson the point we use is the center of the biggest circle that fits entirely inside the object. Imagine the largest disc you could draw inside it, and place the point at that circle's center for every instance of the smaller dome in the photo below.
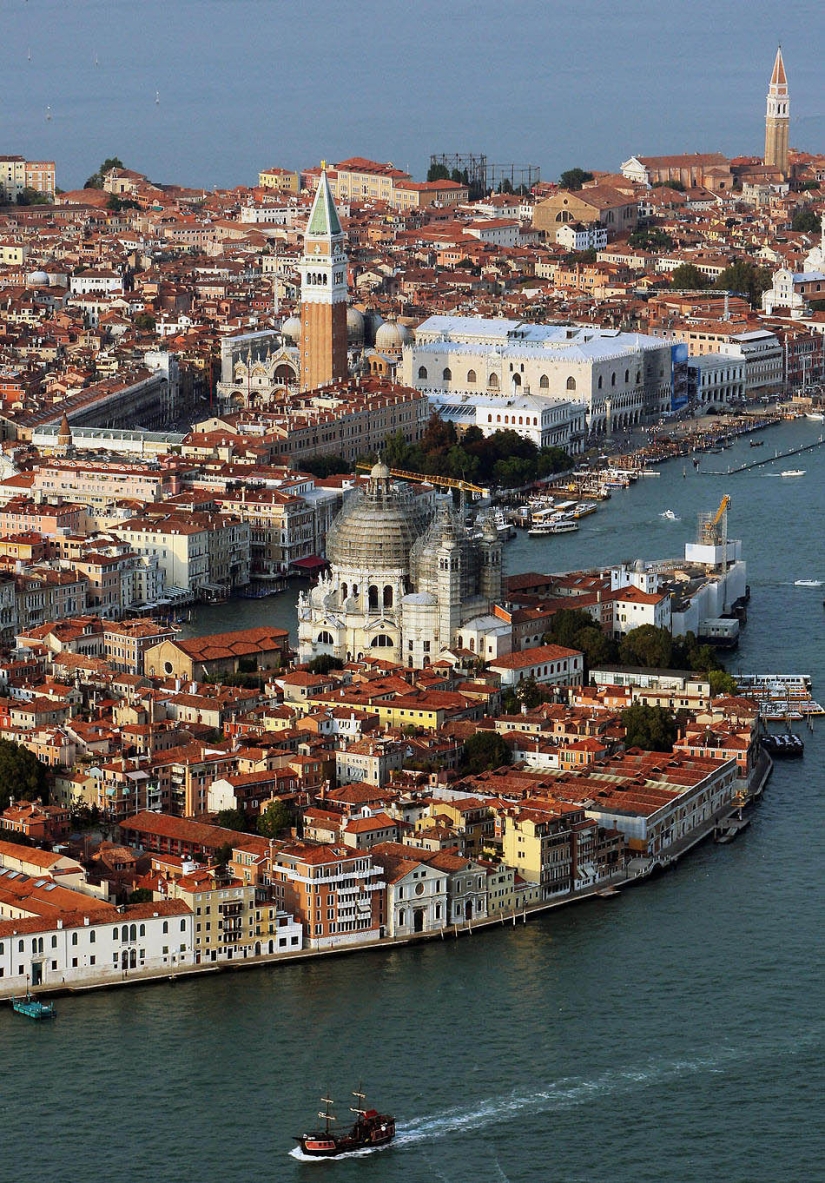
(291, 328)
(388, 338)
(421, 600)
(380, 472)
(355, 326)
(37, 279)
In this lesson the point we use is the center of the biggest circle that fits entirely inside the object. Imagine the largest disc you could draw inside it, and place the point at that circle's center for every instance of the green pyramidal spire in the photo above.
(324, 218)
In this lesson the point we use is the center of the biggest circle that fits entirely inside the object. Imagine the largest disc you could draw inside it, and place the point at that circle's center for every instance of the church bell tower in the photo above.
(323, 270)
(777, 117)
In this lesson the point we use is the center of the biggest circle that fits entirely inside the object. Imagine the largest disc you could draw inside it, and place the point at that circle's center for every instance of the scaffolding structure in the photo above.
(473, 163)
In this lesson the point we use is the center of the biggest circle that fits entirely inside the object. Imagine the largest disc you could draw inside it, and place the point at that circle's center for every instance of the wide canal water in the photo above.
(674, 1032)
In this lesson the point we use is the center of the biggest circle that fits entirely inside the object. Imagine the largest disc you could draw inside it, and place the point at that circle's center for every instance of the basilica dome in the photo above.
(355, 326)
(291, 329)
(375, 530)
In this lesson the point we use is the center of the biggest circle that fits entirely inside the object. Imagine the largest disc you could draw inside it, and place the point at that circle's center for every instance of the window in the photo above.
(471, 377)
(387, 596)
(600, 382)
(571, 383)
(493, 382)
(422, 371)
(74, 939)
(165, 927)
(92, 937)
(447, 374)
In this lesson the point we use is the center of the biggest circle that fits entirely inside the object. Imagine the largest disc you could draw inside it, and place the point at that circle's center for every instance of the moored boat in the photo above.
(32, 1008)
(369, 1131)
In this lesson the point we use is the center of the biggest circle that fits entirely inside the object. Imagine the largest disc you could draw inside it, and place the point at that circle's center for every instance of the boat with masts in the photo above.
(370, 1131)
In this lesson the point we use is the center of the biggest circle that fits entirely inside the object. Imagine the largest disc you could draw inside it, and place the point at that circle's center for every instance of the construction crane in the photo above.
(427, 478)
(713, 528)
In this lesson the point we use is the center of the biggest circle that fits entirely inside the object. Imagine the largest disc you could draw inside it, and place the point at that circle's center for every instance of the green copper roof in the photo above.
(324, 217)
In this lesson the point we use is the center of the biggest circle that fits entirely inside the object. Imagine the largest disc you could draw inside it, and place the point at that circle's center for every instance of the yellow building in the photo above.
(280, 178)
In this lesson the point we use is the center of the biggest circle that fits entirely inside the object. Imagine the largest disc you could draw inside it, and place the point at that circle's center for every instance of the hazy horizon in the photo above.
(208, 92)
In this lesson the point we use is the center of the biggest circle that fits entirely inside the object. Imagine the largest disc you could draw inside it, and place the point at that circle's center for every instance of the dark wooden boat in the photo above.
(370, 1130)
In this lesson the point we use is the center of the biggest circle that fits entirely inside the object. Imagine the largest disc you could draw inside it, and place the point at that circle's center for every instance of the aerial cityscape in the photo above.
(421, 566)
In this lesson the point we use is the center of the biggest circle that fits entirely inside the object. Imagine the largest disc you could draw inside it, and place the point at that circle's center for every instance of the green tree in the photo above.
(231, 819)
(141, 895)
(651, 728)
(438, 172)
(805, 220)
(688, 278)
(30, 196)
(651, 238)
(323, 663)
(323, 466)
(677, 185)
(275, 819)
(721, 682)
(483, 751)
(95, 181)
(223, 854)
(574, 178)
(22, 776)
(747, 278)
(145, 322)
(528, 692)
(647, 646)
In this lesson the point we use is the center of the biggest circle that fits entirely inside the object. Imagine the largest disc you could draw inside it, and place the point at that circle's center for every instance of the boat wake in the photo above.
(567, 1093)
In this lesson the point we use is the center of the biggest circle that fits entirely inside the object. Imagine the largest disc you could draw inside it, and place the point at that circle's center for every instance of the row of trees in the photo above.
(505, 459)
(743, 277)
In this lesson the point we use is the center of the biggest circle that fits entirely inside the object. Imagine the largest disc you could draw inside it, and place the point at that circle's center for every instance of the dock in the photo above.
(764, 462)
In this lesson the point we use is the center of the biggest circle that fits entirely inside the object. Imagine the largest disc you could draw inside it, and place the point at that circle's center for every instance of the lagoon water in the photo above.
(209, 92)
(673, 1032)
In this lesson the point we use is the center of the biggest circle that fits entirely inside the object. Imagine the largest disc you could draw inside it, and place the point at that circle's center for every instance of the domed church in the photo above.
(402, 579)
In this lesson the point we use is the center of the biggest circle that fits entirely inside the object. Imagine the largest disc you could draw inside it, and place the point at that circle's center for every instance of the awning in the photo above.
(310, 563)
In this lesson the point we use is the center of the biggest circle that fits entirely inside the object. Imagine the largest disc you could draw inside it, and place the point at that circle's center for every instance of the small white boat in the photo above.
(817, 416)
(807, 583)
(793, 472)
(670, 515)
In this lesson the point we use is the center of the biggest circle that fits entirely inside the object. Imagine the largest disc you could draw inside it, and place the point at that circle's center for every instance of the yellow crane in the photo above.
(711, 524)
(442, 482)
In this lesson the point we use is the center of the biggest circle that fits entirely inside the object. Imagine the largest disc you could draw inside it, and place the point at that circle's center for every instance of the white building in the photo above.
(546, 423)
(715, 380)
(576, 236)
(621, 378)
(762, 354)
(93, 944)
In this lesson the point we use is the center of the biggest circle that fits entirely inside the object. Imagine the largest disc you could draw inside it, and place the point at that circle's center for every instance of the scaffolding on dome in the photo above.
(427, 478)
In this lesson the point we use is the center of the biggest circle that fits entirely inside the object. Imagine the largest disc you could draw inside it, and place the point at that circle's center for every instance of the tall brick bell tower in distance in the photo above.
(778, 117)
(323, 270)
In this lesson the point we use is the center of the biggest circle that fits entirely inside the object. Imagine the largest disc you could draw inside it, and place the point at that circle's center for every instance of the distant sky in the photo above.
(245, 84)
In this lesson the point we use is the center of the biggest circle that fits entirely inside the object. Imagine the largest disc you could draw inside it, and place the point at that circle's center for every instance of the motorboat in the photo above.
(807, 583)
(670, 515)
(793, 472)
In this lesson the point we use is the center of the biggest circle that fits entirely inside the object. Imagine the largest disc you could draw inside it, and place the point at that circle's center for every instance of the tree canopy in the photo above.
(504, 458)
(95, 181)
(274, 819)
(22, 775)
(689, 278)
(651, 728)
(745, 277)
(574, 178)
(231, 819)
(323, 663)
(483, 751)
(651, 238)
(647, 646)
(805, 220)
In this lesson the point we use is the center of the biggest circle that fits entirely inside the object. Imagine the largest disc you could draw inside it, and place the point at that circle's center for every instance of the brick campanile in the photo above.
(778, 117)
(323, 270)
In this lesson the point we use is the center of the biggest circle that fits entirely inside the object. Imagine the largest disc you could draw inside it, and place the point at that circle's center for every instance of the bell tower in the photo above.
(777, 117)
(323, 270)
